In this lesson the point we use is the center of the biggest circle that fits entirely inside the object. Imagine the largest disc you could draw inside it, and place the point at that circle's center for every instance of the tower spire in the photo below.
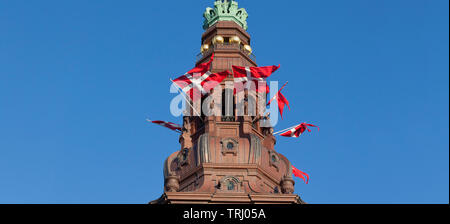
(225, 10)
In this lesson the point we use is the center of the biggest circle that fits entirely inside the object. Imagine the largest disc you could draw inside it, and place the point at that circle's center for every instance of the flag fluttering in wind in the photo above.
(169, 125)
(199, 81)
(282, 101)
(202, 68)
(247, 75)
(300, 174)
(298, 130)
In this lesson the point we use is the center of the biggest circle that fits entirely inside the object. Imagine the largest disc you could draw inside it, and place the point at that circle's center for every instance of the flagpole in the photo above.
(278, 132)
(283, 86)
(285, 129)
(185, 97)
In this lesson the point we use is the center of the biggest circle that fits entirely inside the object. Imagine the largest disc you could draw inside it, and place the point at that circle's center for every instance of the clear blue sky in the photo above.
(79, 78)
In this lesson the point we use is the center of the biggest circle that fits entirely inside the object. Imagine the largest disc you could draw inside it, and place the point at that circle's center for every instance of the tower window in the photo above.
(230, 146)
(274, 158)
(230, 186)
(228, 105)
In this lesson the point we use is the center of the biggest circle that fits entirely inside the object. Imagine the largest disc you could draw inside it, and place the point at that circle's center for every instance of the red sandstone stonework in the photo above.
(227, 160)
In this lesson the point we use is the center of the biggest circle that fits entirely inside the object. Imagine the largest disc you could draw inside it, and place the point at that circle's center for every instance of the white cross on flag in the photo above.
(169, 125)
(199, 81)
(247, 75)
(298, 130)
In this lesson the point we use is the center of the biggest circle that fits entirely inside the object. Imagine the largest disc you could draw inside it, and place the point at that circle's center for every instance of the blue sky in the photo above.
(79, 78)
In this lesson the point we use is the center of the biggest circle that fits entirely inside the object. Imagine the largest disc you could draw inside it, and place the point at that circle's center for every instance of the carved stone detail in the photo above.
(172, 183)
(229, 184)
(274, 159)
(183, 157)
(287, 185)
(229, 146)
(255, 149)
(203, 153)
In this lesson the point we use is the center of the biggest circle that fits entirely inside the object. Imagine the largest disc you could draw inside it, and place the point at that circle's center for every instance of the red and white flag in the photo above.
(199, 81)
(298, 130)
(300, 174)
(169, 125)
(282, 101)
(256, 75)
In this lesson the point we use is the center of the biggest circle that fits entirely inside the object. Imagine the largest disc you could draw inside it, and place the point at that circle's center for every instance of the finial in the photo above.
(225, 10)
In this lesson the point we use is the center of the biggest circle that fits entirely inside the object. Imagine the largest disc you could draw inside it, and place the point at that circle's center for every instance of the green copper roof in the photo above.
(225, 10)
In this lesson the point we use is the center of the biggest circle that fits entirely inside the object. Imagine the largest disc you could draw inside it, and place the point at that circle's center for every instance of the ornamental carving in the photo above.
(225, 10)
(229, 146)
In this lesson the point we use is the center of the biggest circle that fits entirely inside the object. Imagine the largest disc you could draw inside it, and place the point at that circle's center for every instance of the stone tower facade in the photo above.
(228, 158)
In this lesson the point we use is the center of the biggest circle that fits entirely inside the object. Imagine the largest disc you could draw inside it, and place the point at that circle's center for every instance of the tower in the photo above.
(228, 158)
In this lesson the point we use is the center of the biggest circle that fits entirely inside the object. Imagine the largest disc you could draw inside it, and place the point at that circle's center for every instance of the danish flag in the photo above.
(298, 130)
(199, 81)
(169, 125)
(282, 101)
(300, 174)
(247, 75)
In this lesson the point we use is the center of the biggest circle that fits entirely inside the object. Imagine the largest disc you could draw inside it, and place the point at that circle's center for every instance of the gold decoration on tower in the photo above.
(218, 40)
(235, 40)
(204, 48)
(248, 49)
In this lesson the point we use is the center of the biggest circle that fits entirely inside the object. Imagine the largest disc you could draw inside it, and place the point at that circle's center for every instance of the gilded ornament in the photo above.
(204, 48)
(235, 40)
(248, 49)
(218, 40)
